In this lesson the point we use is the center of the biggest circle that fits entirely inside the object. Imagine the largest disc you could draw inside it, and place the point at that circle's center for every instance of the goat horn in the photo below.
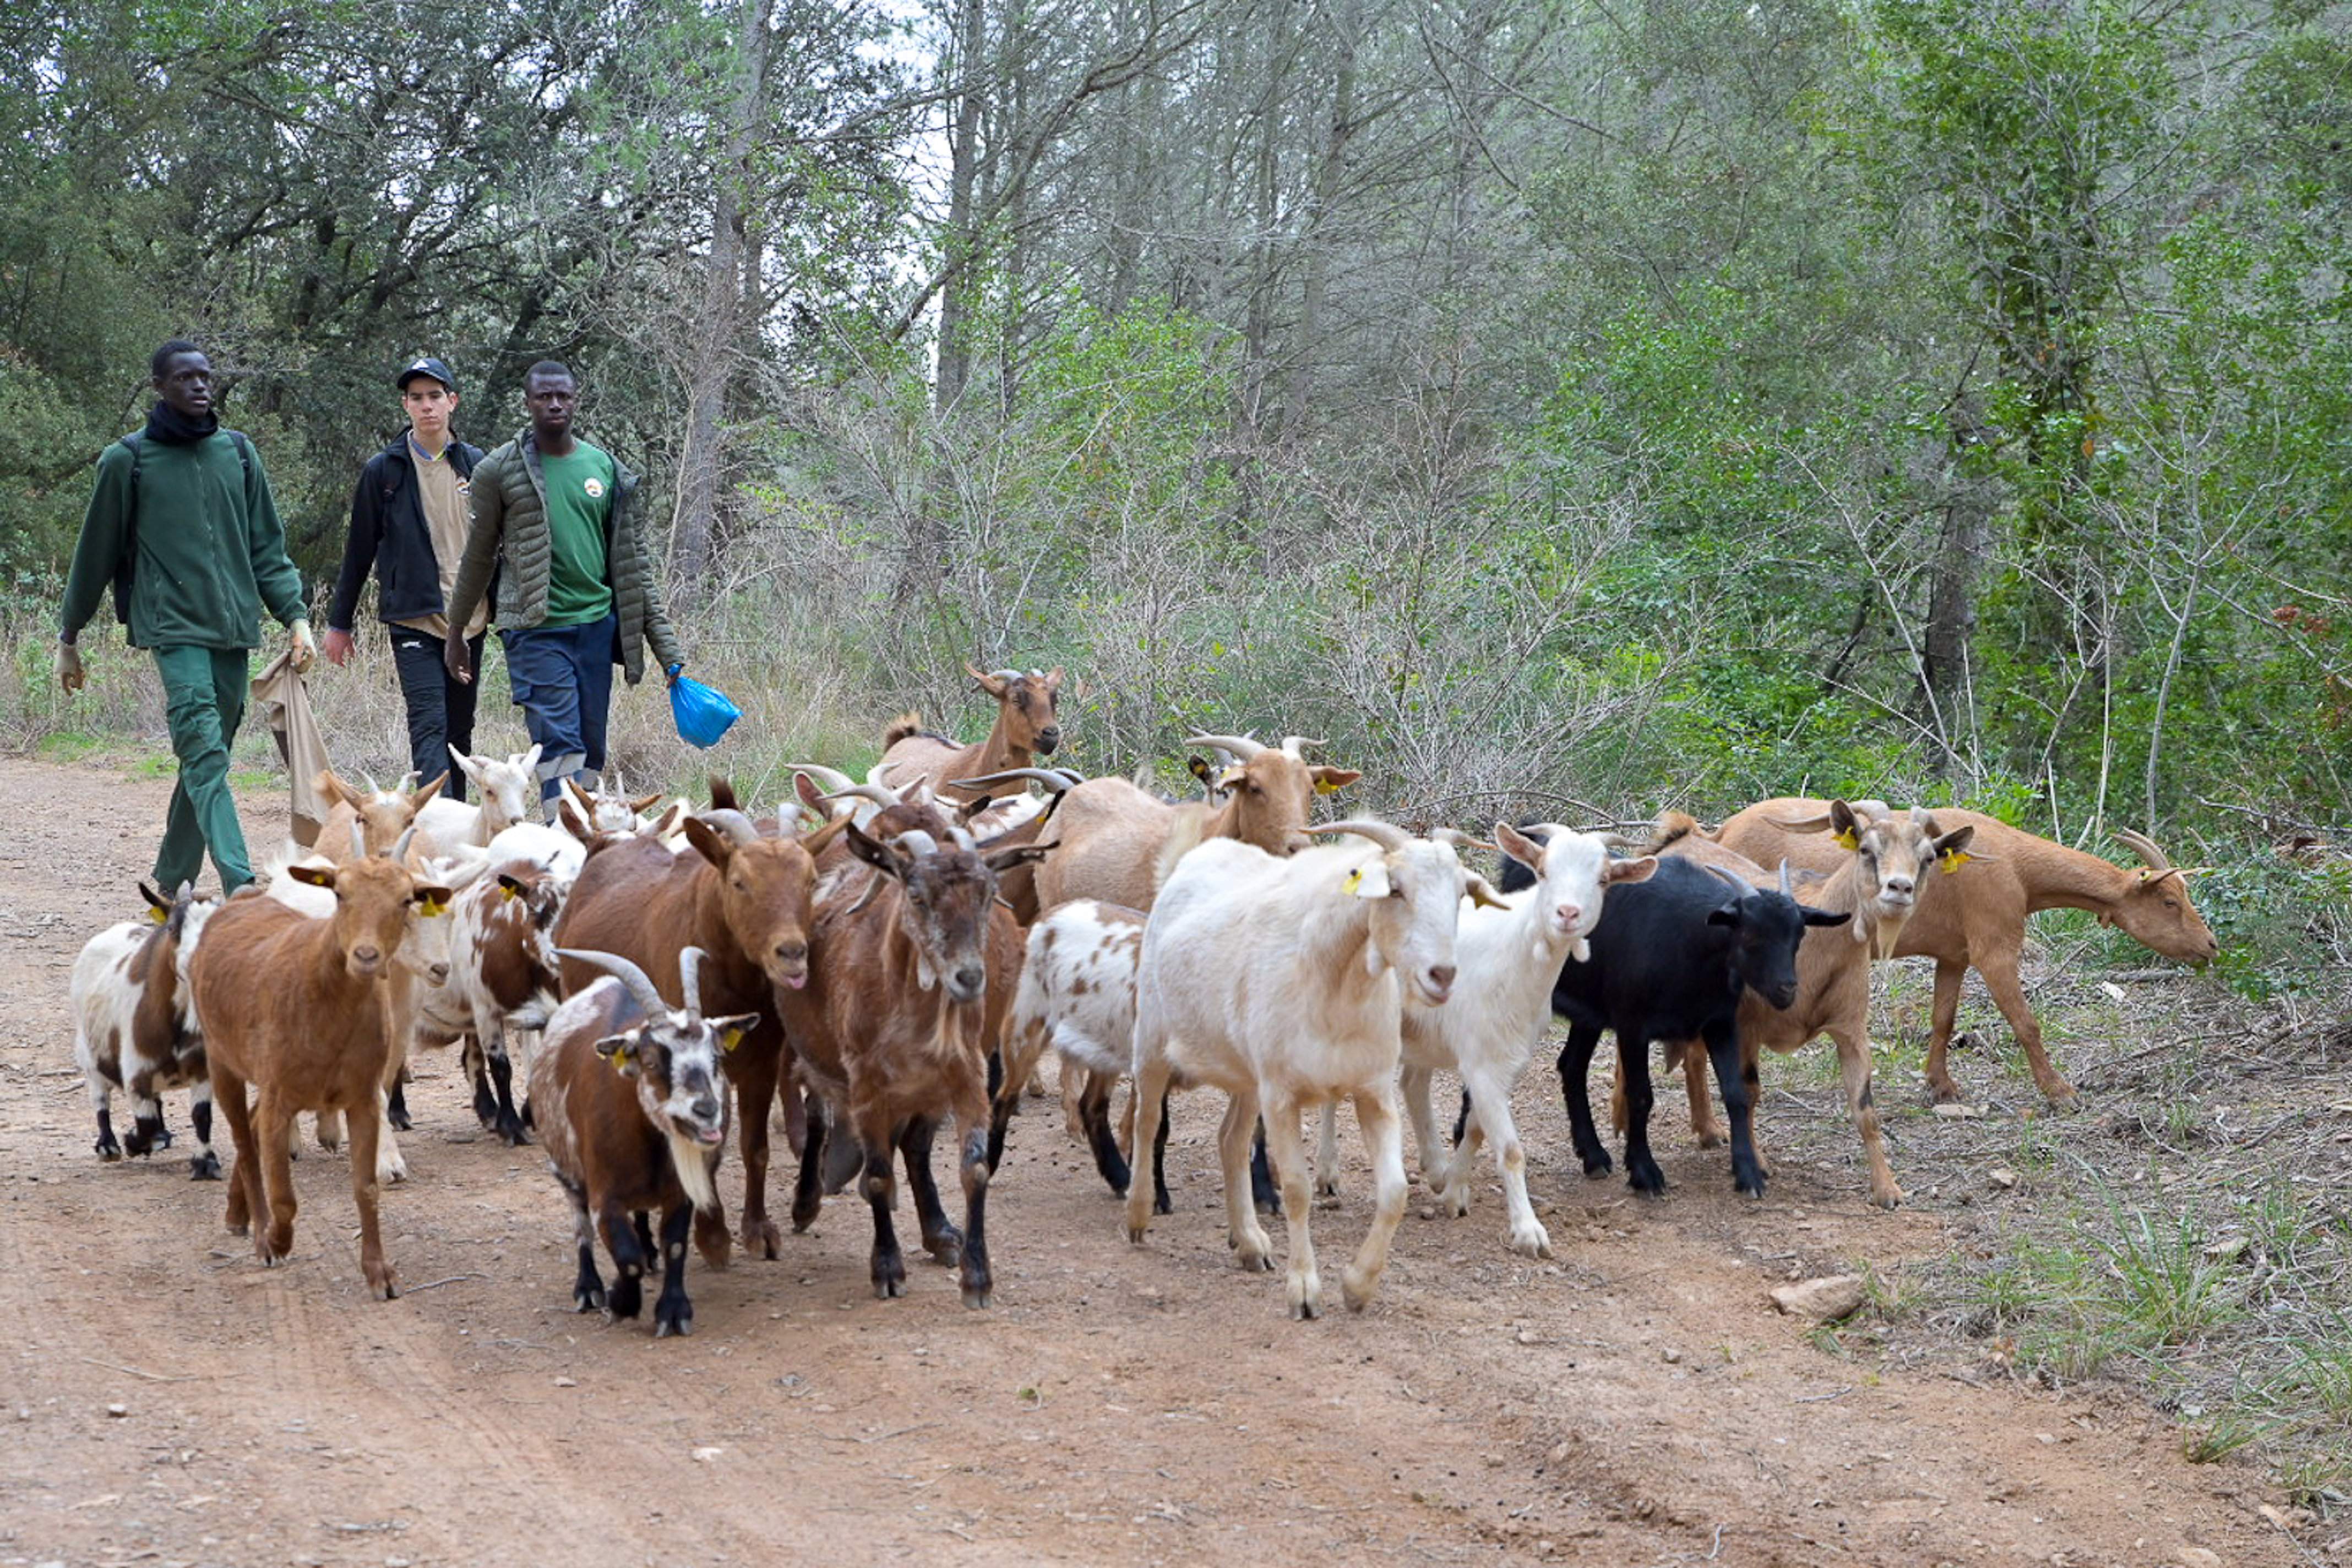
(831, 778)
(915, 844)
(734, 824)
(400, 845)
(640, 984)
(2141, 844)
(359, 841)
(1458, 840)
(879, 794)
(1295, 744)
(1387, 835)
(1239, 747)
(689, 977)
(1787, 886)
(874, 880)
(1072, 774)
(1053, 779)
(1738, 883)
(963, 838)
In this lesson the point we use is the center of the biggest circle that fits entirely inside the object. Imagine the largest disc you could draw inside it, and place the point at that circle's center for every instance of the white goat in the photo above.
(135, 1025)
(508, 789)
(1078, 994)
(1281, 981)
(1508, 959)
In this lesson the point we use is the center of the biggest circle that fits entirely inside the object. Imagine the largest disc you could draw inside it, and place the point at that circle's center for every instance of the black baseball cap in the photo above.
(430, 366)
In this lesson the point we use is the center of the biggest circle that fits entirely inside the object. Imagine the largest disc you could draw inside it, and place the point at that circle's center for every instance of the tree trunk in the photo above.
(963, 242)
(713, 345)
(1968, 502)
(1330, 170)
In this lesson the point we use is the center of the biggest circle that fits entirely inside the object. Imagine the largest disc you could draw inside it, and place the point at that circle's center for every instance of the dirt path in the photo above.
(1635, 1401)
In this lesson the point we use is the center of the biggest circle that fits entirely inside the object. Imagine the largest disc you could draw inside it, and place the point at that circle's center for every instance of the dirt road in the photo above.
(1635, 1401)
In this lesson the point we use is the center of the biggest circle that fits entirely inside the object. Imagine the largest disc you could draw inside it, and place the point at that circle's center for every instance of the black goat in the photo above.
(1669, 959)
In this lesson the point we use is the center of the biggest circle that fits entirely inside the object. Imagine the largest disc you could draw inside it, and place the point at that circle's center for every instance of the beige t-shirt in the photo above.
(447, 515)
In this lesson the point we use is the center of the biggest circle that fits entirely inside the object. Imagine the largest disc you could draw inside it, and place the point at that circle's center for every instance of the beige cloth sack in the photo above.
(285, 701)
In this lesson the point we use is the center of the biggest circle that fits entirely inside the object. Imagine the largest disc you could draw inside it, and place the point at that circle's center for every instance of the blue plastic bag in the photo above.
(703, 713)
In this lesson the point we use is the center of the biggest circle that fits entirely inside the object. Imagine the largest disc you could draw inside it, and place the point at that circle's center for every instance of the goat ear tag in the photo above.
(156, 915)
(1368, 881)
(1849, 840)
(432, 908)
(729, 1038)
(1952, 860)
(506, 893)
(1325, 787)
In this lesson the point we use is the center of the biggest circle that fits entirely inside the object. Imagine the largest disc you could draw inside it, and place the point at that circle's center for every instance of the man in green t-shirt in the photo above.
(181, 524)
(578, 590)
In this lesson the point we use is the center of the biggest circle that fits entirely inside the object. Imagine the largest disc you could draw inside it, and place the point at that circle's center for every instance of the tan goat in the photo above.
(1977, 922)
(296, 1008)
(1026, 728)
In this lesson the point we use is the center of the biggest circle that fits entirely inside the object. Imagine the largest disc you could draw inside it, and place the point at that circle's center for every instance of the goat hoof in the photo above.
(1891, 1198)
(1326, 1186)
(625, 1300)
(760, 1238)
(204, 1167)
(589, 1300)
(1306, 1304)
(401, 1121)
(1135, 1235)
(1597, 1166)
(386, 1288)
(1161, 1203)
(978, 1301)
(946, 1249)
(1533, 1242)
(1650, 1183)
(673, 1322)
(887, 1289)
(109, 1152)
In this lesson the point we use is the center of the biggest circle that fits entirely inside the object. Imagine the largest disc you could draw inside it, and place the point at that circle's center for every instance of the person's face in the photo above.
(186, 385)
(429, 405)
(551, 399)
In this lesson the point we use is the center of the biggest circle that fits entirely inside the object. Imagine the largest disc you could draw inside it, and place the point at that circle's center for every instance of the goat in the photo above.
(1508, 956)
(747, 902)
(383, 815)
(1977, 922)
(633, 1115)
(1118, 841)
(903, 1007)
(1026, 728)
(135, 1025)
(299, 1008)
(1282, 981)
(1669, 962)
(508, 789)
(503, 982)
(1877, 880)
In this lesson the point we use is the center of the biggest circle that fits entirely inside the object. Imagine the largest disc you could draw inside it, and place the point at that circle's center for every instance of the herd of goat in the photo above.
(894, 956)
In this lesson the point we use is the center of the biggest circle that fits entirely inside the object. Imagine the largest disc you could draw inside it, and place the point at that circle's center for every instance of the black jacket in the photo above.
(389, 535)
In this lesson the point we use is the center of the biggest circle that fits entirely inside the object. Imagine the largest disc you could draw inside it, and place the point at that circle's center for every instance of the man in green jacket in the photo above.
(181, 524)
(578, 590)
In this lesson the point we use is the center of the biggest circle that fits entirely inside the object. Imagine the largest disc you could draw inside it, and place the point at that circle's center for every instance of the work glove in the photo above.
(304, 651)
(69, 670)
(338, 647)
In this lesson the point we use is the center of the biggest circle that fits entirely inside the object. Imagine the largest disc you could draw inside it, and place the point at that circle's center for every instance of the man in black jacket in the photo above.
(409, 517)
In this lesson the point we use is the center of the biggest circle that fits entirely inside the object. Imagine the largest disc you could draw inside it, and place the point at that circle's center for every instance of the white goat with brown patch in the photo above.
(135, 1025)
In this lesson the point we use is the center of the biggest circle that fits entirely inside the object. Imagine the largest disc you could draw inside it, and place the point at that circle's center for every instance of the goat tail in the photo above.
(1184, 836)
(906, 726)
(1673, 826)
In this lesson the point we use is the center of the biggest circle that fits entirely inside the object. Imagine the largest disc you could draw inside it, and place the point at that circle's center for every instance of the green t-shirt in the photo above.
(579, 498)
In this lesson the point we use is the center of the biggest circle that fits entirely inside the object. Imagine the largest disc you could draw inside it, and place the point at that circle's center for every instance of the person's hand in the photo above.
(302, 649)
(338, 647)
(69, 670)
(670, 674)
(454, 657)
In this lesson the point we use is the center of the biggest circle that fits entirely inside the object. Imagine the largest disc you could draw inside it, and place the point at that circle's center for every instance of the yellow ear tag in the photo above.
(506, 894)
(432, 908)
(615, 1057)
(1952, 860)
(158, 916)
(1325, 787)
(1355, 881)
(1848, 838)
(1230, 778)
(730, 1038)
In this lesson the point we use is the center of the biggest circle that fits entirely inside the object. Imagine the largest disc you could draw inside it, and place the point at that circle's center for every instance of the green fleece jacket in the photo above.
(510, 540)
(211, 552)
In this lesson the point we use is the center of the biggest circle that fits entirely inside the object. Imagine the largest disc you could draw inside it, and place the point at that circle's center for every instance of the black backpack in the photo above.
(123, 566)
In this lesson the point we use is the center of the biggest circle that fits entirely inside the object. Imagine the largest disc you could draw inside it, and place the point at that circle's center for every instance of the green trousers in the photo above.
(204, 703)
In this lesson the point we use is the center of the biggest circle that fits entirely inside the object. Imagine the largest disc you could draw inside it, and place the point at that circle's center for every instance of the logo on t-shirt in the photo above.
(595, 489)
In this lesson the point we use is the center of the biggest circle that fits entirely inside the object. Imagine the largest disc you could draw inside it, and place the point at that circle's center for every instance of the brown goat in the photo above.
(1026, 728)
(905, 1004)
(383, 815)
(1977, 922)
(1877, 881)
(299, 1008)
(747, 902)
(633, 1116)
(1118, 842)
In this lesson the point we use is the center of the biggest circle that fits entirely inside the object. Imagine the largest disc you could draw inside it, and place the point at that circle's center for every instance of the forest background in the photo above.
(1663, 401)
